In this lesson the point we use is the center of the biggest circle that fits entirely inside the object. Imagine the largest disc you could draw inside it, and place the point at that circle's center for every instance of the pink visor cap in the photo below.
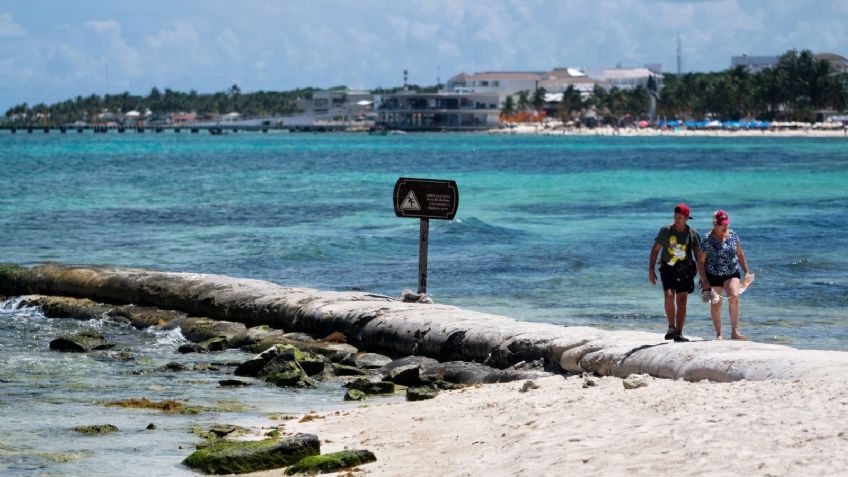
(721, 217)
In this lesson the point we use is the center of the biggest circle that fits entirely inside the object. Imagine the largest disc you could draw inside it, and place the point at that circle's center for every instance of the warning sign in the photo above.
(410, 203)
(426, 198)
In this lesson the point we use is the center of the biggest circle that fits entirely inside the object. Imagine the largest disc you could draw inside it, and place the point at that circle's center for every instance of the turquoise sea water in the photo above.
(551, 229)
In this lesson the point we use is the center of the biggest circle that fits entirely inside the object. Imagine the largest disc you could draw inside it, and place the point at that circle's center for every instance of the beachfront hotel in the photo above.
(473, 101)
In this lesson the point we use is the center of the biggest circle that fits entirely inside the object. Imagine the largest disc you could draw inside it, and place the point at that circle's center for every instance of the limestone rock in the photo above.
(218, 343)
(428, 368)
(407, 375)
(635, 381)
(81, 342)
(421, 393)
(342, 370)
(370, 360)
(443, 332)
(528, 385)
(372, 387)
(67, 307)
(473, 373)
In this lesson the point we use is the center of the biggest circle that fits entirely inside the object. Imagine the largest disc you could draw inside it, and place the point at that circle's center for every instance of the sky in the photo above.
(55, 50)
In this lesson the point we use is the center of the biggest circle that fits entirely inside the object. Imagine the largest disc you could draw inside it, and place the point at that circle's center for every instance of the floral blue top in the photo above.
(721, 256)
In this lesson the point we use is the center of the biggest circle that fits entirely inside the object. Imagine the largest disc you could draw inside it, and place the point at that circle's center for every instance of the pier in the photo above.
(215, 129)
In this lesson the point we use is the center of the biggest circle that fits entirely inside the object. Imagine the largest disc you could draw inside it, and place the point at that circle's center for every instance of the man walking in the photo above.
(677, 245)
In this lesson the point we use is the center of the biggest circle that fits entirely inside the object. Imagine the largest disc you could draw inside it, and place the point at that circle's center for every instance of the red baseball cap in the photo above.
(721, 217)
(683, 209)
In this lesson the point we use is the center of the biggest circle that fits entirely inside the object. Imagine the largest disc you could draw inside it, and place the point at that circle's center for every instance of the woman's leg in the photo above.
(731, 286)
(715, 313)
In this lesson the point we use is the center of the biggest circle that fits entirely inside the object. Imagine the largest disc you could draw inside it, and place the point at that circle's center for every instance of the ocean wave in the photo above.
(166, 338)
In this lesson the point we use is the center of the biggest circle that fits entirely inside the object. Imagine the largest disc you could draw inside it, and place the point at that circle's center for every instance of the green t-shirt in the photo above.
(677, 247)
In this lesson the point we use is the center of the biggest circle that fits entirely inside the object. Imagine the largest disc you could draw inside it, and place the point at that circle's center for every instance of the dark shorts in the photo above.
(718, 280)
(679, 279)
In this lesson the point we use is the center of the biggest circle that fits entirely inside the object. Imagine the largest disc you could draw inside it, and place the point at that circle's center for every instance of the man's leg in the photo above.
(681, 299)
(670, 311)
(668, 296)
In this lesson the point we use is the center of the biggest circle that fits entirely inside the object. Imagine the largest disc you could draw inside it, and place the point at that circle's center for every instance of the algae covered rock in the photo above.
(371, 387)
(68, 307)
(331, 462)
(354, 395)
(218, 343)
(239, 457)
(96, 429)
(81, 342)
(421, 393)
(370, 360)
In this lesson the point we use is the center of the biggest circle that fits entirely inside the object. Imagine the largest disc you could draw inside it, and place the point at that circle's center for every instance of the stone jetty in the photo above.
(387, 325)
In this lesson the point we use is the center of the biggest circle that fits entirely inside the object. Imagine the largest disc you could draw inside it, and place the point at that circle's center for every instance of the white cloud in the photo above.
(12, 72)
(424, 32)
(273, 45)
(179, 35)
(108, 27)
(229, 44)
(115, 50)
(8, 27)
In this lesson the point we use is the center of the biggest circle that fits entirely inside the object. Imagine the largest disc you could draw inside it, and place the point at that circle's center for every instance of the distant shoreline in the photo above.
(526, 129)
(538, 129)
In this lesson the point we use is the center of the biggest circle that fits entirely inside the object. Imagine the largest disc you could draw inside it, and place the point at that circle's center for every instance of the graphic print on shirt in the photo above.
(676, 250)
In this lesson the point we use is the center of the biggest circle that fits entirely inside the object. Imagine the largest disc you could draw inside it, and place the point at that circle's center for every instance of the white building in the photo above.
(629, 78)
(754, 64)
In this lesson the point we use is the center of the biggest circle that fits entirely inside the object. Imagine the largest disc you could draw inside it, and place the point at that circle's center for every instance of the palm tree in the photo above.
(523, 101)
(571, 102)
(538, 99)
(508, 107)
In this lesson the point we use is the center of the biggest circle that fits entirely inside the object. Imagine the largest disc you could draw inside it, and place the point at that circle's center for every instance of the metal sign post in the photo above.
(425, 199)
(422, 256)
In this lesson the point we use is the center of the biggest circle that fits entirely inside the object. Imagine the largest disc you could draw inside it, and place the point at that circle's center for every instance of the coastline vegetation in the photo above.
(161, 103)
(795, 89)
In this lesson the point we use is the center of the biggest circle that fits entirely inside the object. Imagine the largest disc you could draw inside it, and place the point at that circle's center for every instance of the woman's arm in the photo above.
(742, 262)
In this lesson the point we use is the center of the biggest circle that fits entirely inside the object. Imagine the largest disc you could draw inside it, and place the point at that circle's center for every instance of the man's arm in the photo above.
(652, 274)
(702, 271)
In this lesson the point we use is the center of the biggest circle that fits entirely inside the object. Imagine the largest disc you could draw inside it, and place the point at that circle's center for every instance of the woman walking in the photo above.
(720, 257)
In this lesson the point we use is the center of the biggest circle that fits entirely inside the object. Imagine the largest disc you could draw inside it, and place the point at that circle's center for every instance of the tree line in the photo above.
(795, 89)
(161, 103)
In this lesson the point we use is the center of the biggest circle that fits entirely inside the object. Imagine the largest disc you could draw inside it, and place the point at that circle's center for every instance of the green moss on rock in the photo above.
(96, 429)
(10, 278)
(168, 406)
(354, 395)
(239, 457)
(319, 464)
(81, 342)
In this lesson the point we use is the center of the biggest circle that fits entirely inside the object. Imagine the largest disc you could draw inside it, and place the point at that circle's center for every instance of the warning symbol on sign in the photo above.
(410, 202)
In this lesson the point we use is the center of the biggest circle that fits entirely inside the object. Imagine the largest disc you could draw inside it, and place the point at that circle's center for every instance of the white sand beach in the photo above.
(548, 130)
(776, 428)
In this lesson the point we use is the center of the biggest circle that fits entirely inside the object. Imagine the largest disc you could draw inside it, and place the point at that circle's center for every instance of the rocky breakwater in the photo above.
(446, 333)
